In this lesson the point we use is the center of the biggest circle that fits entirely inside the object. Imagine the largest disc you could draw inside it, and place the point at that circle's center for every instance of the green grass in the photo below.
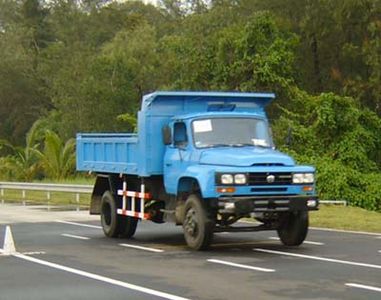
(346, 217)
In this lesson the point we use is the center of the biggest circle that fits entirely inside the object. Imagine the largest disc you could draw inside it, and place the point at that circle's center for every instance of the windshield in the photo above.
(231, 132)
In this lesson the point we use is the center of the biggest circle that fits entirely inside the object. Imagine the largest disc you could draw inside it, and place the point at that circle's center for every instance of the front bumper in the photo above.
(242, 205)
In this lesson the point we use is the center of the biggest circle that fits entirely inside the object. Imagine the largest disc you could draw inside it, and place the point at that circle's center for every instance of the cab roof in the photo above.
(259, 99)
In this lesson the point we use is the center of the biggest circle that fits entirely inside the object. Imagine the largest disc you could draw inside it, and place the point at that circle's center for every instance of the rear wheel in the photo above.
(197, 225)
(293, 228)
(128, 226)
(115, 225)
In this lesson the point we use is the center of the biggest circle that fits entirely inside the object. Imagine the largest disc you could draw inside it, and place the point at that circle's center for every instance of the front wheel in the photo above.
(197, 225)
(293, 228)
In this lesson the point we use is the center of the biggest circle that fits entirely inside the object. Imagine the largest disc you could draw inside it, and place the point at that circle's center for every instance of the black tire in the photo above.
(115, 225)
(128, 226)
(293, 228)
(197, 225)
(109, 217)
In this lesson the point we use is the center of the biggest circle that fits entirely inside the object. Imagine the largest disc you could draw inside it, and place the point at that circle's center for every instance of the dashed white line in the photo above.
(346, 262)
(142, 248)
(228, 263)
(363, 286)
(305, 242)
(75, 236)
(34, 253)
(100, 278)
(79, 224)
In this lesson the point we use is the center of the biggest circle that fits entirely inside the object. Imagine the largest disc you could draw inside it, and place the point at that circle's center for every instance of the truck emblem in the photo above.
(270, 179)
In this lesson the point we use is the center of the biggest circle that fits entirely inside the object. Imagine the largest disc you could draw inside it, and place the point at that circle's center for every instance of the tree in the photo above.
(57, 159)
(22, 99)
(22, 162)
(257, 56)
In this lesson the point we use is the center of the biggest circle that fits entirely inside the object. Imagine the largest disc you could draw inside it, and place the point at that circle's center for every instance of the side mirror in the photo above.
(167, 135)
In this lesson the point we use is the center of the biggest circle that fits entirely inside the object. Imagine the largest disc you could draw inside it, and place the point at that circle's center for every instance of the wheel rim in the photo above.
(106, 213)
(191, 224)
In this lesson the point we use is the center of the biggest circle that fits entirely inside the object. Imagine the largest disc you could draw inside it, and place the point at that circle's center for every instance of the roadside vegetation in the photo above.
(82, 66)
(347, 218)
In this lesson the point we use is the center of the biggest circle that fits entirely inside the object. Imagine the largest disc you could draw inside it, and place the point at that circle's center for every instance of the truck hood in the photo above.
(244, 157)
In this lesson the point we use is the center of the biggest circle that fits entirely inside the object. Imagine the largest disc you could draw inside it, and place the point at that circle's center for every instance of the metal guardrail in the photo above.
(45, 187)
(51, 187)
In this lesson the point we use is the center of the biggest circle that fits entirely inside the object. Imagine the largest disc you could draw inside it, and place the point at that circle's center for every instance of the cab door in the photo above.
(176, 157)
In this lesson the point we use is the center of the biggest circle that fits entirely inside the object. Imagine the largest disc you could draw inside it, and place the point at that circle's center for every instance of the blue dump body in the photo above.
(142, 153)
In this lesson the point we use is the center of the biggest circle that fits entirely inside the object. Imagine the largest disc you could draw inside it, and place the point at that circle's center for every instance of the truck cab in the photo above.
(207, 160)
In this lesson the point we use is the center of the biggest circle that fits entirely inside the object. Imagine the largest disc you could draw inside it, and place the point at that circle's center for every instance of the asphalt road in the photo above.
(64, 255)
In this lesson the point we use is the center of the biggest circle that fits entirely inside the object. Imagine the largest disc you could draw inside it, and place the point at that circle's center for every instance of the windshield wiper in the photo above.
(219, 145)
(242, 145)
(262, 146)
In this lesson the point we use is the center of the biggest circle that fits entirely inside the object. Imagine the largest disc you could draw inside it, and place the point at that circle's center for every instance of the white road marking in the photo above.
(141, 248)
(378, 237)
(79, 224)
(34, 253)
(228, 263)
(346, 262)
(75, 236)
(346, 231)
(100, 278)
(379, 251)
(305, 242)
(365, 287)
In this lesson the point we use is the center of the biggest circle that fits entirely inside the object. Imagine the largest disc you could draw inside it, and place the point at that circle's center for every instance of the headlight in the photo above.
(240, 179)
(227, 179)
(297, 178)
(300, 178)
(309, 178)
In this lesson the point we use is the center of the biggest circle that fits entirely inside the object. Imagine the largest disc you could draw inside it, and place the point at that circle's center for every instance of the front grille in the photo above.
(280, 178)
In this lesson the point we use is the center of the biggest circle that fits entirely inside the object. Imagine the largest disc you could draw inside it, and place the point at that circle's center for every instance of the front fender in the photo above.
(205, 177)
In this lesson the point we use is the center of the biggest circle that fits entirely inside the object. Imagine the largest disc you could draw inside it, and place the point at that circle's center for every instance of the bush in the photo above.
(342, 140)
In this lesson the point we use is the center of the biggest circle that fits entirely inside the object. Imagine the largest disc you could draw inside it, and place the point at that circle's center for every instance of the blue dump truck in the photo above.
(202, 160)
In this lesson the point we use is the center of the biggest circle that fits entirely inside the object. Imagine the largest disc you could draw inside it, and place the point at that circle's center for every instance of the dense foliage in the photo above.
(68, 66)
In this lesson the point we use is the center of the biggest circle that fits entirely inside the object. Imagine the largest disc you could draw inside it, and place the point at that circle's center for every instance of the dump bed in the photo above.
(142, 154)
(109, 153)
